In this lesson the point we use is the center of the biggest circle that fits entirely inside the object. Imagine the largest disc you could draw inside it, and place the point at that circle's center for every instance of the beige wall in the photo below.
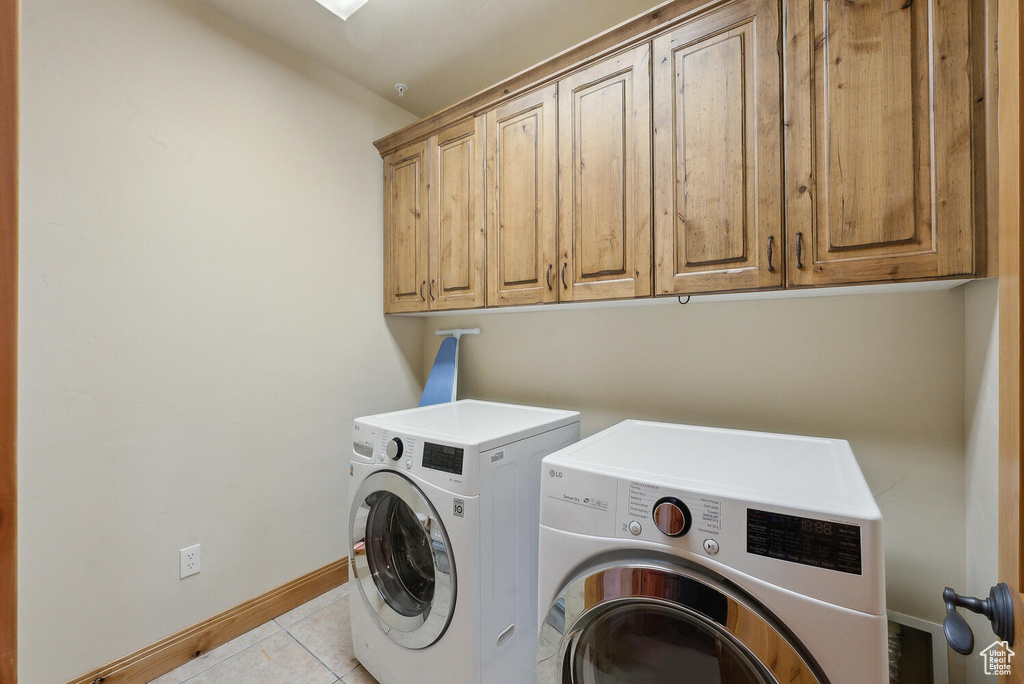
(885, 371)
(981, 457)
(200, 320)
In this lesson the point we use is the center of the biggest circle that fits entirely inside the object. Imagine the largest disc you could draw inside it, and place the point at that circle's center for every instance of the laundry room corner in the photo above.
(519, 342)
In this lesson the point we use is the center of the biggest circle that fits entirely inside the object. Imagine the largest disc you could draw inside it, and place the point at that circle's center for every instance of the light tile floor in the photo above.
(311, 644)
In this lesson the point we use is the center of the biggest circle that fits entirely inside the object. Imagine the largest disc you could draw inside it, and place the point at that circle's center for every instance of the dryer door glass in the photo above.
(657, 621)
(401, 559)
(640, 643)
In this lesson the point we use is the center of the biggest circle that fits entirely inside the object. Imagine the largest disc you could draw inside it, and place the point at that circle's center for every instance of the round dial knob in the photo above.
(672, 517)
(395, 449)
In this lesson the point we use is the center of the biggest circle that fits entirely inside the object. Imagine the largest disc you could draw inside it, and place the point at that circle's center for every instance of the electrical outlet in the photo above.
(189, 561)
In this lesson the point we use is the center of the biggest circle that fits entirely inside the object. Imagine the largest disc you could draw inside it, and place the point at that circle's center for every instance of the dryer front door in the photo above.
(642, 623)
(402, 559)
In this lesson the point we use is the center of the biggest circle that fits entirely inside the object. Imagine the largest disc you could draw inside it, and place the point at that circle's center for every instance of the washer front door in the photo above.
(402, 559)
(642, 623)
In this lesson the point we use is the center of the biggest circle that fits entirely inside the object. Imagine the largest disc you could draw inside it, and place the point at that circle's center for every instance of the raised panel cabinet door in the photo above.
(457, 231)
(718, 152)
(878, 140)
(604, 179)
(405, 229)
(522, 165)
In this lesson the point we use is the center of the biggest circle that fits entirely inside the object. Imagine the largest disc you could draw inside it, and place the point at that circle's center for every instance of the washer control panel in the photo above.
(444, 462)
(441, 457)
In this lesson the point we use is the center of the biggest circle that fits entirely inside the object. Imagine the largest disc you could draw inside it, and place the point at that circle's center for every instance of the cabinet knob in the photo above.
(771, 239)
(799, 249)
(547, 276)
(421, 291)
(564, 264)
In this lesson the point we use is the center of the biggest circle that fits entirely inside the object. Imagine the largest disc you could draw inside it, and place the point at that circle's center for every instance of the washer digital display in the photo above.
(447, 459)
(820, 543)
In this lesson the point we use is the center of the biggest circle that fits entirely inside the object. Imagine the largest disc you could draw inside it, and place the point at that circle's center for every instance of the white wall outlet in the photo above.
(189, 561)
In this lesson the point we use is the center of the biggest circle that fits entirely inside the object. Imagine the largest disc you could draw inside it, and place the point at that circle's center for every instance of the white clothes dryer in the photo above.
(674, 554)
(444, 514)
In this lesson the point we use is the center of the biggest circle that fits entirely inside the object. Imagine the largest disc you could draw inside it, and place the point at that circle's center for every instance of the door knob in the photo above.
(998, 608)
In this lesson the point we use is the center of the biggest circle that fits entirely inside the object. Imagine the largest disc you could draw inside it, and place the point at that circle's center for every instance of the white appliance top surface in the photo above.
(805, 472)
(469, 421)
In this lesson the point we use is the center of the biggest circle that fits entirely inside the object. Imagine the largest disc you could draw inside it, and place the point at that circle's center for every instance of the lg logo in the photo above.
(554, 473)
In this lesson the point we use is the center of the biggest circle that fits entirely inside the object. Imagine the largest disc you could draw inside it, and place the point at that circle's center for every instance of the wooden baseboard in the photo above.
(176, 650)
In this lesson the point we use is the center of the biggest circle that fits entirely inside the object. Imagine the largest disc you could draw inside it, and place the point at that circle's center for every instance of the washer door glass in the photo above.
(402, 560)
(399, 555)
(643, 643)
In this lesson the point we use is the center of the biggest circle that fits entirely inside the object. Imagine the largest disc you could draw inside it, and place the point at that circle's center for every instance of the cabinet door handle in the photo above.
(564, 264)
(422, 298)
(771, 239)
(799, 250)
(547, 276)
(431, 290)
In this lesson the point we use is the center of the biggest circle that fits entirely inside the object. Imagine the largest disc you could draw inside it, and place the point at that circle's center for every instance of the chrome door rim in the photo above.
(417, 631)
(748, 626)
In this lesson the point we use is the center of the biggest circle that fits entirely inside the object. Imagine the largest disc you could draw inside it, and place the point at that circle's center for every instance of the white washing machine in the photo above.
(685, 554)
(444, 513)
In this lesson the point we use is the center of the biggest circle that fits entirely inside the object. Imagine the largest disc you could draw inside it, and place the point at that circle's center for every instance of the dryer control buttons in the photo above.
(408, 464)
(711, 546)
(672, 517)
(395, 448)
(635, 528)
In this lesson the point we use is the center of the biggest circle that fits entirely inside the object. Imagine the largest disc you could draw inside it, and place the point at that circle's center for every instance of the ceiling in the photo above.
(444, 50)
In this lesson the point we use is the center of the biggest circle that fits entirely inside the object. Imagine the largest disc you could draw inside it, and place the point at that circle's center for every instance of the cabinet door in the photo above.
(718, 152)
(405, 229)
(878, 140)
(521, 201)
(604, 140)
(457, 217)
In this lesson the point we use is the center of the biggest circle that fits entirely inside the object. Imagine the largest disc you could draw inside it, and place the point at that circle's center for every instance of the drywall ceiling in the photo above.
(444, 50)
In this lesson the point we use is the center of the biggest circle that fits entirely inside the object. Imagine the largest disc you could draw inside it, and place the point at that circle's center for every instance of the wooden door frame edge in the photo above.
(9, 64)
(1011, 313)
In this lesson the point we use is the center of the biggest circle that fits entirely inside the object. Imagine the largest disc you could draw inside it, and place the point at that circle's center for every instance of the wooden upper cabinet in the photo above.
(405, 229)
(521, 202)
(878, 140)
(718, 152)
(457, 230)
(604, 233)
(705, 147)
